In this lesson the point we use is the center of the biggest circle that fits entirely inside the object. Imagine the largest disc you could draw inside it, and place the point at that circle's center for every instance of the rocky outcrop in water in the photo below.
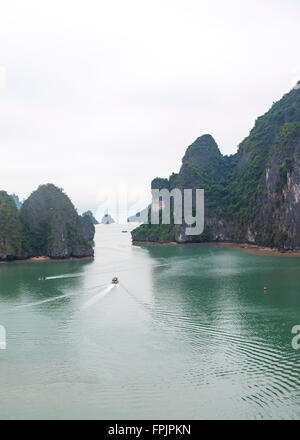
(88, 227)
(107, 219)
(252, 196)
(46, 225)
(91, 215)
(52, 226)
(10, 229)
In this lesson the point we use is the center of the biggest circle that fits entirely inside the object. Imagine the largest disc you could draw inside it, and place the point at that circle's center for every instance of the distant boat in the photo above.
(124, 231)
(115, 280)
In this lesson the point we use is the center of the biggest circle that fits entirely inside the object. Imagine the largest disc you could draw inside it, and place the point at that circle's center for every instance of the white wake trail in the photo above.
(98, 296)
(67, 275)
(55, 298)
(47, 300)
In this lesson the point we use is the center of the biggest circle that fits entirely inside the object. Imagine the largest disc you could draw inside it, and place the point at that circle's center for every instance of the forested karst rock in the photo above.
(252, 196)
(88, 227)
(10, 229)
(46, 225)
(52, 226)
(17, 201)
(92, 217)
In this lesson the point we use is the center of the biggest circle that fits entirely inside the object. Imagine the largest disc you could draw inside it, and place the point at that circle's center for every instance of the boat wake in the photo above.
(67, 275)
(37, 303)
(98, 296)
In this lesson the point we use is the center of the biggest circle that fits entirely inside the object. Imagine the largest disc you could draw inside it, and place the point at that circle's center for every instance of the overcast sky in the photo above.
(99, 97)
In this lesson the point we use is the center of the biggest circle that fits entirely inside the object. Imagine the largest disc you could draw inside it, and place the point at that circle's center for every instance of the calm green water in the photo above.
(189, 333)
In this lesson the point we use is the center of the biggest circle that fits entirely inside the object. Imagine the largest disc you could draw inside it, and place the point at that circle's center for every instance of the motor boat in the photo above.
(42, 277)
(115, 280)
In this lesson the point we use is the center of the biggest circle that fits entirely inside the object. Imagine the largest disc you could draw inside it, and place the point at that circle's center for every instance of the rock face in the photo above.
(107, 219)
(93, 219)
(17, 201)
(252, 196)
(10, 229)
(88, 227)
(52, 226)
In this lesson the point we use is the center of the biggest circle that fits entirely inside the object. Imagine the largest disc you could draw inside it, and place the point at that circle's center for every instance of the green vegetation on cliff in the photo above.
(52, 226)
(10, 228)
(92, 217)
(272, 131)
(250, 196)
(88, 226)
(47, 224)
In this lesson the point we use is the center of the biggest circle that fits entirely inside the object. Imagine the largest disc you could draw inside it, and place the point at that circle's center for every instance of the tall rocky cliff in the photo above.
(17, 201)
(52, 225)
(10, 228)
(46, 225)
(92, 217)
(252, 196)
(88, 226)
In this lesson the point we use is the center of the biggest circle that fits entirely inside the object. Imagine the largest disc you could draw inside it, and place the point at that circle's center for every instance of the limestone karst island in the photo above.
(46, 225)
(250, 197)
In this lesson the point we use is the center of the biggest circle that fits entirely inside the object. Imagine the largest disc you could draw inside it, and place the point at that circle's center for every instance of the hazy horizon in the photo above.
(99, 98)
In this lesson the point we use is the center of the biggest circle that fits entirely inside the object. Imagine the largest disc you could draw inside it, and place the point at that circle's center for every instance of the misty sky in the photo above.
(99, 97)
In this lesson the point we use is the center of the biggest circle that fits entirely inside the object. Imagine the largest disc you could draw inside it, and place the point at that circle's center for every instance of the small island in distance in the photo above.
(107, 219)
(47, 225)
